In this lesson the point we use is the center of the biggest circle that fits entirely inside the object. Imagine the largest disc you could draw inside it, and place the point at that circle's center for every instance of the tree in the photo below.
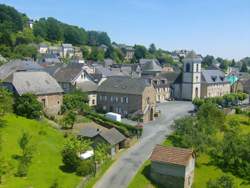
(140, 52)
(222, 182)
(101, 152)
(224, 65)
(27, 154)
(28, 106)
(207, 61)
(54, 30)
(74, 101)
(244, 67)
(152, 49)
(10, 19)
(69, 120)
(71, 150)
(5, 51)
(24, 50)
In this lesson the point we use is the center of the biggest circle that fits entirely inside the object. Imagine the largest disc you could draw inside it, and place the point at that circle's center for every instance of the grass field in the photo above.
(47, 162)
(204, 171)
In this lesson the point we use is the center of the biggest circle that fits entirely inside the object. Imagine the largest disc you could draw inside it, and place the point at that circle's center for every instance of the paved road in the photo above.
(123, 170)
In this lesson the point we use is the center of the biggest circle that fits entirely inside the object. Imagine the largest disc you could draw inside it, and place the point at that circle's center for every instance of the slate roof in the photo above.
(150, 65)
(213, 76)
(67, 45)
(87, 86)
(112, 136)
(66, 73)
(18, 65)
(171, 155)
(38, 83)
(89, 131)
(170, 76)
(123, 85)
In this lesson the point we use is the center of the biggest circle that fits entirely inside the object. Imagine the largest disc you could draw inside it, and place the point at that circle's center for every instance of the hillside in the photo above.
(47, 162)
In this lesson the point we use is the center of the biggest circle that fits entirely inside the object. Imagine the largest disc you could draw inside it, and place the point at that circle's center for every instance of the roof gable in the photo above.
(171, 155)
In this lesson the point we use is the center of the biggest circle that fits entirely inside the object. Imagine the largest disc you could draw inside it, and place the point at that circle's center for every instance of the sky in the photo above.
(215, 27)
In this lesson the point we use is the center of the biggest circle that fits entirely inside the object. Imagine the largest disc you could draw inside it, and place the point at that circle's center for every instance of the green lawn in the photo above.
(47, 162)
(203, 170)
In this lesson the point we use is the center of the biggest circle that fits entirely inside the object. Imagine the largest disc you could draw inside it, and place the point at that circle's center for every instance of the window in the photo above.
(43, 102)
(197, 78)
(112, 98)
(126, 100)
(93, 101)
(104, 108)
(105, 98)
(121, 99)
(58, 102)
(197, 67)
(116, 99)
(100, 98)
(187, 67)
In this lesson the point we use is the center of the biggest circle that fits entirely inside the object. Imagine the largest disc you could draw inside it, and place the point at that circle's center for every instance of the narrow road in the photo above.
(155, 132)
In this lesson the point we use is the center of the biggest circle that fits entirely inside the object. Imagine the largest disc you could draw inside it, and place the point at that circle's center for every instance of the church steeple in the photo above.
(191, 76)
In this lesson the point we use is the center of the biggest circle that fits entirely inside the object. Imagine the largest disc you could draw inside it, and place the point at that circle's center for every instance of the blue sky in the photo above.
(217, 27)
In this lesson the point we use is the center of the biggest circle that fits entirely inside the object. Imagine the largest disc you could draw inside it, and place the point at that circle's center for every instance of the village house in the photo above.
(39, 83)
(112, 137)
(172, 167)
(214, 84)
(90, 88)
(162, 87)
(67, 50)
(56, 50)
(43, 48)
(127, 96)
(128, 52)
(68, 75)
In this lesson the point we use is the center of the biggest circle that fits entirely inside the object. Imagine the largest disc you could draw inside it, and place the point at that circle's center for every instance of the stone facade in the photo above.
(51, 103)
(174, 176)
(214, 90)
(127, 104)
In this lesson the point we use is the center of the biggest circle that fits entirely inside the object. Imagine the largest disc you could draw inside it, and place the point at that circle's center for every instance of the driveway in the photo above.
(155, 132)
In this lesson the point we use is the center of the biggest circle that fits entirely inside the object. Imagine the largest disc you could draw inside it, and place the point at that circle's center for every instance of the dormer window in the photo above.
(214, 78)
(222, 78)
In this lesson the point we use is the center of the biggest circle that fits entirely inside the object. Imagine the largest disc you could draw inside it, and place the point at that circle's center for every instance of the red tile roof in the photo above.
(172, 155)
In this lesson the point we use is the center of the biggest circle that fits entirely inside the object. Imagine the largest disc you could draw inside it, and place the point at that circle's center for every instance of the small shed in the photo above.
(172, 167)
(112, 137)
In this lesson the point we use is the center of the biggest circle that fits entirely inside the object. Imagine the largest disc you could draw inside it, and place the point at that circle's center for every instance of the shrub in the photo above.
(86, 167)
(69, 120)
(28, 106)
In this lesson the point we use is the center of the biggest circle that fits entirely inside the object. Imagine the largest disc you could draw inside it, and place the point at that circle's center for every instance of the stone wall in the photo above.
(52, 103)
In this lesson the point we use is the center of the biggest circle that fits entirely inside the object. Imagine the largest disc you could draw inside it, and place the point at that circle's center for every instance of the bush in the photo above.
(74, 101)
(86, 167)
(28, 106)
(69, 120)
(222, 182)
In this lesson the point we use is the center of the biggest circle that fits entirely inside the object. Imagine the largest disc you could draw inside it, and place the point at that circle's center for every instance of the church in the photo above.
(195, 82)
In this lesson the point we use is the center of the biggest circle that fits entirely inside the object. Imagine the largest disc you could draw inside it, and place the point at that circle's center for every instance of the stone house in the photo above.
(162, 87)
(172, 167)
(67, 50)
(214, 84)
(90, 88)
(39, 83)
(68, 75)
(127, 96)
(43, 48)
(112, 137)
